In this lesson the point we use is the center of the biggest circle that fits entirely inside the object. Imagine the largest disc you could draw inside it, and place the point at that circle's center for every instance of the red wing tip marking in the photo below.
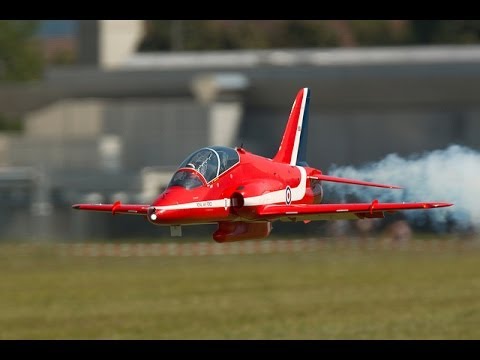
(436, 205)
(439, 205)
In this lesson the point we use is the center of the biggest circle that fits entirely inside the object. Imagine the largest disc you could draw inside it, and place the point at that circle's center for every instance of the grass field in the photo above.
(339, 292)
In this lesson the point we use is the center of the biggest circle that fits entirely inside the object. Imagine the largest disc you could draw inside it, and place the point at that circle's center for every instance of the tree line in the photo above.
(168, 35)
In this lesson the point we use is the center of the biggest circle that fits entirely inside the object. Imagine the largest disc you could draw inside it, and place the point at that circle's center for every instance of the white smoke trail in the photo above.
(449, 175)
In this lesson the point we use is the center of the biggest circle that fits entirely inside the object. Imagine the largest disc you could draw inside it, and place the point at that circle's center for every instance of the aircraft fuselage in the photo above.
(234, 195)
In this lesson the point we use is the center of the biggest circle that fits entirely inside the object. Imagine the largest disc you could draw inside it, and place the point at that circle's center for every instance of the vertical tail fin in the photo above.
(293, 148)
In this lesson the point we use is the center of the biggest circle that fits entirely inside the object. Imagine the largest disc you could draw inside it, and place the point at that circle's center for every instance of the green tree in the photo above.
(379, 32)
(156, 36)
(445, 31)
(20, 56)
(263, 34)
(164, 35)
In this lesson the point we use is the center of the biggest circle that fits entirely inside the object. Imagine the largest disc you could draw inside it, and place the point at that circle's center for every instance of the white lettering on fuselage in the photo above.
(273, 197)
(204, 204)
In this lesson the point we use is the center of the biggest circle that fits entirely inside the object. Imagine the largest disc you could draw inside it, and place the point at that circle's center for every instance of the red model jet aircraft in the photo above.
(244, 193)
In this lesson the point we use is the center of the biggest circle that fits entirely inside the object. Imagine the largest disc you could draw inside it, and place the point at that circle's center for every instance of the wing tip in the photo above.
(76, 206)
(437, 205)
(443, 204)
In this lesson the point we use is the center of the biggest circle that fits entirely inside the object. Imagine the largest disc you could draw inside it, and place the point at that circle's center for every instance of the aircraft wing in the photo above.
(305, 212)
(116, 208)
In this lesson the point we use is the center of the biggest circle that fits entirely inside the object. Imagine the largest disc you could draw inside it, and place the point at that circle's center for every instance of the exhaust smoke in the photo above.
(448, 175)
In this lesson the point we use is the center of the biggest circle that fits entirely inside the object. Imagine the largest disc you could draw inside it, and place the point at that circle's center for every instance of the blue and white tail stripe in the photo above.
(299, 154)
(293, 147)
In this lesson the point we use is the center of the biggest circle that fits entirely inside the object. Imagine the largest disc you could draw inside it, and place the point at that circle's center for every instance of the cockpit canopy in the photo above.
(203, 166)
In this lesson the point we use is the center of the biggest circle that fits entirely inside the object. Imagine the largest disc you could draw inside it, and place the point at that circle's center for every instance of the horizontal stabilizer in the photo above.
(352, 181)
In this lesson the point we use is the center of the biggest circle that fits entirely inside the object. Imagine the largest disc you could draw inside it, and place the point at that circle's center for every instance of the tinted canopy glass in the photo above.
(208, 162)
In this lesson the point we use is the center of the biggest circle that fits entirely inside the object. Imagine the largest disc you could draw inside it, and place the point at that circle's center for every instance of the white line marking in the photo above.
(296, 144)
(273, 197)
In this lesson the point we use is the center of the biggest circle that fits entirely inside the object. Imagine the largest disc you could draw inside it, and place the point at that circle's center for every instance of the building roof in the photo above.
(300, 57)
(431, 73)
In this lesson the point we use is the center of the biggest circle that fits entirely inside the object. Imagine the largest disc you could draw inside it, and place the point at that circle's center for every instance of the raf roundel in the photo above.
(288, 195)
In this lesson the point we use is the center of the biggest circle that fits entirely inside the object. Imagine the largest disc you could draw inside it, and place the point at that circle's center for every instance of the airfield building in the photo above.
(117, 131)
